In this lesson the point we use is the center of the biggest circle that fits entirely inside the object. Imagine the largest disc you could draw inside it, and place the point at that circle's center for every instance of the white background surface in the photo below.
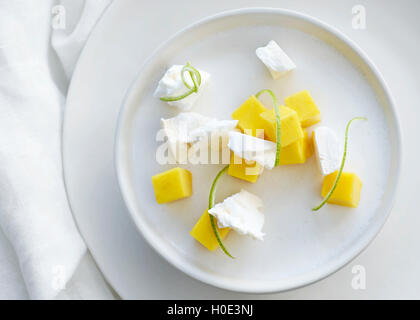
(392, 260)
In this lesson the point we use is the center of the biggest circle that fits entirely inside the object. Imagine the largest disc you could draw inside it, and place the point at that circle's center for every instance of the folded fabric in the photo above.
(34, 212)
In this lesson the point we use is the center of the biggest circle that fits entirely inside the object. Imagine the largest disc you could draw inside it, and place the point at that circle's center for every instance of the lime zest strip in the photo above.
(193, 72)
(196, 79)
(278, 123)
(211, 205)
(341, 166)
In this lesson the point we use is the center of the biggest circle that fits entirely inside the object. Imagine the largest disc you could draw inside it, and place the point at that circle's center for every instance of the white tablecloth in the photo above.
(40, 246)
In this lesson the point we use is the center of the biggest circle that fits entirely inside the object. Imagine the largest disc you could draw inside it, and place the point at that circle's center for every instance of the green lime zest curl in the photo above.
(194, 74)
(278, 123)
(196, 79)
(341, 166)
(211, 205)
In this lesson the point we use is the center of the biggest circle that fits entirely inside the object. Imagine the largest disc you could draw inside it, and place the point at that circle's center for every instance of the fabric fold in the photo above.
(34, 212)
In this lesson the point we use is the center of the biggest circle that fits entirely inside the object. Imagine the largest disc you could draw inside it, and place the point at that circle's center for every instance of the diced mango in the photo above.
(248, 116)
(309, 146)
(305, 107)
(172, 185)
(245, 170)
(347, 192)
(298, 151)
(291, 130)
(203, 232)
(294, 153)
(313, 142)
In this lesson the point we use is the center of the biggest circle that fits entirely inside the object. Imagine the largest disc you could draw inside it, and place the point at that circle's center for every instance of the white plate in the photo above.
(300, 247)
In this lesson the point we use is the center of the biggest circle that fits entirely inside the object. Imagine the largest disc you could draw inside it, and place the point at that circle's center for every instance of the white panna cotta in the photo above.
(188, 128)
(171, 85)
(327, 150)
(241, 212)
(275, 59)
(253, 149)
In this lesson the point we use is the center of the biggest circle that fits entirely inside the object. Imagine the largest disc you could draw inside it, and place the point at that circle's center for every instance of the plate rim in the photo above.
(367, 237)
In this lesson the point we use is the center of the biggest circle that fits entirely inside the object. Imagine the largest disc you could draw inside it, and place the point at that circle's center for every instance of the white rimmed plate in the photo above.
(300, 247)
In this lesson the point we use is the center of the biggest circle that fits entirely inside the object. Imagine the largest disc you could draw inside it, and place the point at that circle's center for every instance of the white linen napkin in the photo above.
(34, 212)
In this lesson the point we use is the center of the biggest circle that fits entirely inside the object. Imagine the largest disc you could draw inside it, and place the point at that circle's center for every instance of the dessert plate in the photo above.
(300, 246)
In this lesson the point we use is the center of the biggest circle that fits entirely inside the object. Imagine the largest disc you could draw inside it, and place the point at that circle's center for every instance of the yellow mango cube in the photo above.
(172, 185)
(248, 116)
(296, 152)
(305, 107)
(309, 145)
(291, 130)
(245, 170)
(203, 232)
(347, 192)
